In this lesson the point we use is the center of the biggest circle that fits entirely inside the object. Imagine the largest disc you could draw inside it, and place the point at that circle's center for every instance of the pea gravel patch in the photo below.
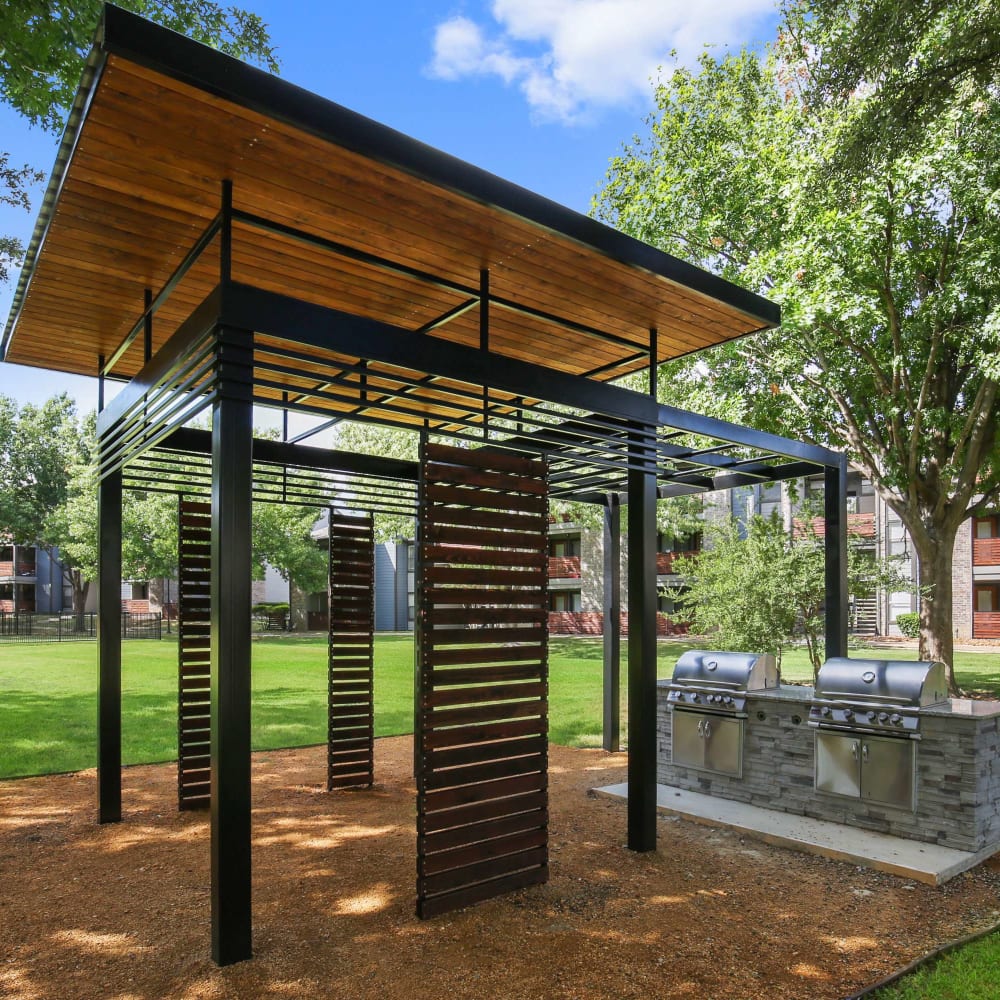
(122, 911)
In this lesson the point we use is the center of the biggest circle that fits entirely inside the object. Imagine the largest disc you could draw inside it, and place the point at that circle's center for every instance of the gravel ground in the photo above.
(123, 911)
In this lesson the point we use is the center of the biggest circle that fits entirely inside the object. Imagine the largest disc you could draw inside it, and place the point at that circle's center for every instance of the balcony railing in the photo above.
(986, 624)
(564, 567)
(986, 552)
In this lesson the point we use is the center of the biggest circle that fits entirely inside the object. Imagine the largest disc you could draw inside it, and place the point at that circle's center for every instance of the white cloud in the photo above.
(571, 58)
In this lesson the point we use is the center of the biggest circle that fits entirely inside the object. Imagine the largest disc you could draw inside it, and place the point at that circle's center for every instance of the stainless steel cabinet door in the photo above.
(838, 764)
(887, 771)
(707, 742)
(687, 745)
(723, 745)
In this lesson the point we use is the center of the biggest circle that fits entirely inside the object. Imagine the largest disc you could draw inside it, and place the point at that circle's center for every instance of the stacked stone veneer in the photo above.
(958, 773)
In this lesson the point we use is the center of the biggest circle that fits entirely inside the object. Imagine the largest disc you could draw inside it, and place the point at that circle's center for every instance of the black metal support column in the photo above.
(641, 652)
(232, 431)
(612, 625)
(835, 504)
(109, 632)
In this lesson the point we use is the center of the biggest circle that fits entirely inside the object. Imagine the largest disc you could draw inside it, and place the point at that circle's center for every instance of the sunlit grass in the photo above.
(968, 973)
(48, 701)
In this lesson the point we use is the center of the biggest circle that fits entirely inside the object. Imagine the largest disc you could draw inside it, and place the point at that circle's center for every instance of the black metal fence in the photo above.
(28, 626)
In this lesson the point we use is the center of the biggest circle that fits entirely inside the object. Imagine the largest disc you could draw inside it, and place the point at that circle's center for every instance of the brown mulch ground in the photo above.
(123, 911)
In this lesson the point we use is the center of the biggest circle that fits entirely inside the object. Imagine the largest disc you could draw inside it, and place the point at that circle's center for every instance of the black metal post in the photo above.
(232, 431)
(612, 625)
(147, 325)
(109, 638)
(654, 359)
(641, 649)
(835, 509)
(100, 382)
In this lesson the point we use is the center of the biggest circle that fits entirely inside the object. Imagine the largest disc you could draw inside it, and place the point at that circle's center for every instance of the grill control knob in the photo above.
(872, 716)
(679, 695)
(696, 697)
(896, 719)
(729, 699)
(883, 716)
(827, 711)
(848, 713)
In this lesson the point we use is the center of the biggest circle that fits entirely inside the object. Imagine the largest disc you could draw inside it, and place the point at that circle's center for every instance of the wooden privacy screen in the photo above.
(194, 631)
(351, 733)
(481, 714)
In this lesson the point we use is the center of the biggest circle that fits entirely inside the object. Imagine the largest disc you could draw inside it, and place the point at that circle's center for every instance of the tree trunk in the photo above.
(937, 638)
(80, 590)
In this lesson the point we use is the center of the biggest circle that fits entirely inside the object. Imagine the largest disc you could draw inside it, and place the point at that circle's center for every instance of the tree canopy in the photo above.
(889, 280)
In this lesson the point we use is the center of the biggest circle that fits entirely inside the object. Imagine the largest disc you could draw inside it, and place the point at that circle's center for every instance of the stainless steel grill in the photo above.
(876, 696)
(708, 695)
(719, 681)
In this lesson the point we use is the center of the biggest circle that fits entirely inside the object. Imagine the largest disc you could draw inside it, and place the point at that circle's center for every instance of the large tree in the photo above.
(42, 48)
(893, 66)
(889, 281)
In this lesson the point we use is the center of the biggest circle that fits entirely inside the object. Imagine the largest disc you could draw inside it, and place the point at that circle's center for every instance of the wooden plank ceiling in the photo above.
(144, 181)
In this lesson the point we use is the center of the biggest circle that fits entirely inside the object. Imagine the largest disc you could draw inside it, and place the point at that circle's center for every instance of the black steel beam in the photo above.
(300, 456)
(641, 657)
(330, 329)
(109, 639)
(180, 58)
(835, 544)
(722, 430)
(612, 607)
(232, 571)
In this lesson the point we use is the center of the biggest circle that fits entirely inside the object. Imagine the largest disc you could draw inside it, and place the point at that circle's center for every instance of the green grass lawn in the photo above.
(968, 973)
(48, 705)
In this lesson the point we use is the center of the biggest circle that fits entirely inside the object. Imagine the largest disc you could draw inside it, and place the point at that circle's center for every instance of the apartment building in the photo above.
(31, 581)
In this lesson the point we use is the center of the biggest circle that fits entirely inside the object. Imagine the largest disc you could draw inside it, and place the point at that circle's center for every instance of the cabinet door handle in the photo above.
(708, 729)
(864, 751)
(854, 749)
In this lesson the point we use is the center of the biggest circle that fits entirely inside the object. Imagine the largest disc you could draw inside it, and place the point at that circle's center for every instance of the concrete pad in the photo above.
(911, 859)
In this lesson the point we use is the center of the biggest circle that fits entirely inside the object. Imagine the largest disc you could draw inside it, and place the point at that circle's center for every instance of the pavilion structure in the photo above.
(220, 239)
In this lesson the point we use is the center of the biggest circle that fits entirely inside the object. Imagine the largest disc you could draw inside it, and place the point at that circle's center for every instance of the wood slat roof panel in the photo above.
(169, 120)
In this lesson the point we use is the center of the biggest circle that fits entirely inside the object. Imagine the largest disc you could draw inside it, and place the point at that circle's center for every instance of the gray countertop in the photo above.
(963, 708)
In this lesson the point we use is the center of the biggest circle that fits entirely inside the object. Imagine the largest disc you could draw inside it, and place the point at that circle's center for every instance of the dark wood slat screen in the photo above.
(481, 714)
(351, 733)
(194, 628)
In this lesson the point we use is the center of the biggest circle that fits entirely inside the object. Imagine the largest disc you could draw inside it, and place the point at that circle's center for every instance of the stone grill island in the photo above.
(955, 779)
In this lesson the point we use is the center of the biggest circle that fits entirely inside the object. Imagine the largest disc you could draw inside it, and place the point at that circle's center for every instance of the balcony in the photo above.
(564, 567)
(986, 551)
(665, 561)
(986, 624)
(9, 569)
(858, 525)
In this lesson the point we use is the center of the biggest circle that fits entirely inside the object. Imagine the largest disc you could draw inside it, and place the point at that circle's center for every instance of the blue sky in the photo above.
(540, 92)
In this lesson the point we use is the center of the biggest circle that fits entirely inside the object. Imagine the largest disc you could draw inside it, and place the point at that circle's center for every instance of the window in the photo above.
(986, 527)
(986, 597)
(564, 600)
(564, 547)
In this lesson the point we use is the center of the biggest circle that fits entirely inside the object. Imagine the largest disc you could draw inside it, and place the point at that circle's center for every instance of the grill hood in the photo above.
(699, 668)
(909, 683)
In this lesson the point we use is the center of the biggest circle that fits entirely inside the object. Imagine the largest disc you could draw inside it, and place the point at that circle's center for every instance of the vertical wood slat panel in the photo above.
(481, 714)
(194, 621)
(351, 729)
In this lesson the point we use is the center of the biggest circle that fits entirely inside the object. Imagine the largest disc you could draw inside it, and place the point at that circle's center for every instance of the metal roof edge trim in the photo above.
(165, 51)
(91, 77)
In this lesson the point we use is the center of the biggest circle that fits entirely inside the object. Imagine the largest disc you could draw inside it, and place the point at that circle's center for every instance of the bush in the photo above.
(909, 624)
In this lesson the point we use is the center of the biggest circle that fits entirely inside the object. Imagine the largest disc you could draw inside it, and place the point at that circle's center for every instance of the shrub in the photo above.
(909, 624)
